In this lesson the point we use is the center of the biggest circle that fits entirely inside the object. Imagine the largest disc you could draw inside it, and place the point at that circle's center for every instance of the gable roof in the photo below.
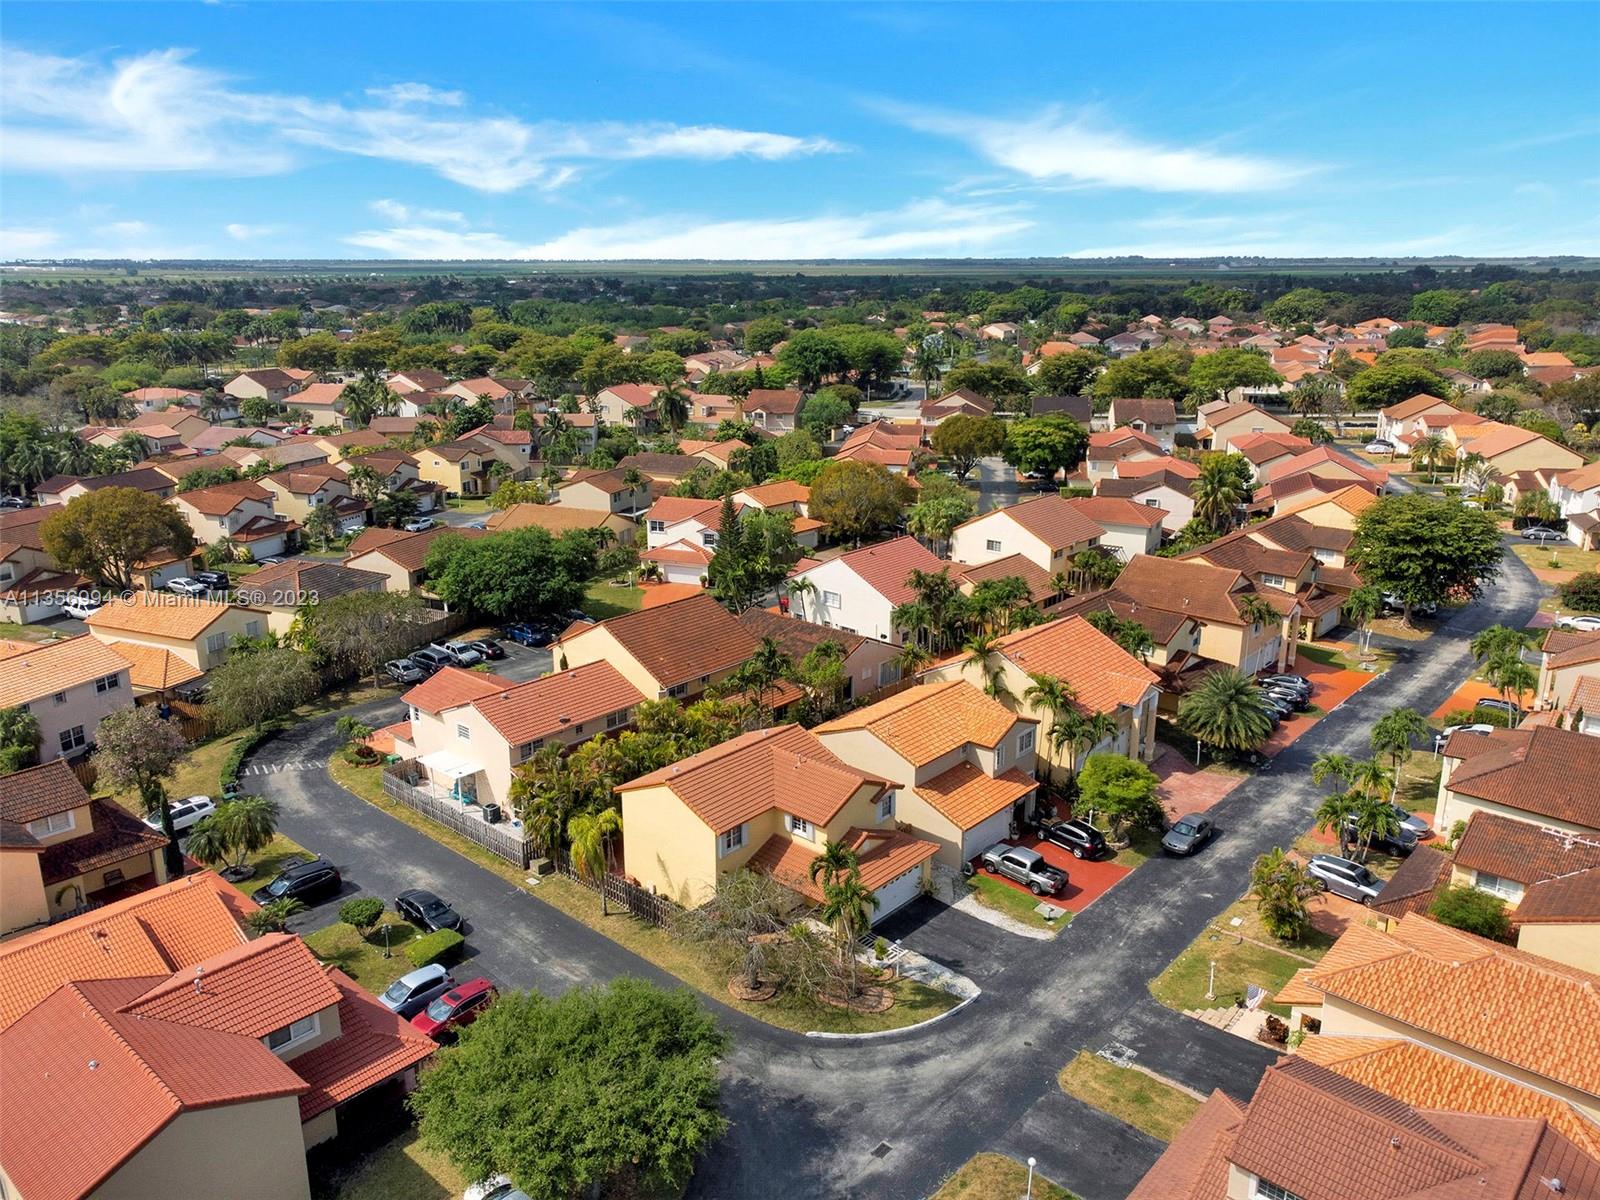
(1164, 465)
(153, 667)
(159, 614)
(1054, 520)
(672, 465)
(1117, 510)
(885, 566)
(635, 395)
(1546, 771)
(1150, 411)
(1187, 586)
(410, 550)
(1102, 675)
(40, 791)
(656, 638)
(1521, 850)
(766, 495)
(797, 637)
(556, 518)
(1222, 414)
(550, 704)
(296, 580)
(1421, 403)
(221, 498)
(929, 720)
(451, 687)
(146, 479)
(778, 401)
(32, 670)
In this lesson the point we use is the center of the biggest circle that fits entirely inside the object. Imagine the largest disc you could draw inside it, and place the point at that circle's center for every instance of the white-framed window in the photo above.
(992, 545)
(1152, 504)
(832, 600)
(886, 805)
(55, 823)
(525, 751)
(658, 526)
(60, 697)
(108, 683)
(294, 1033)
(1058, 552)
(72, 739)
(800, 827)
(1262, 1190)
(678, 689)
(1000, 757)
(1506, 889)
(463, 733)
(1024, 742)
(617, 718)
(1272, 580)
(216, 642)
(252, 629)
(730, 841)
(708, 536)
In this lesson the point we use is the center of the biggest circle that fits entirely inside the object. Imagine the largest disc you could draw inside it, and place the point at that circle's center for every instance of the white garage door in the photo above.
(897, 893)
(979, 838)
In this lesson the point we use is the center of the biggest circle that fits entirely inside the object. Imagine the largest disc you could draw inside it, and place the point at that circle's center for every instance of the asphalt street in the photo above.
(891, 1117)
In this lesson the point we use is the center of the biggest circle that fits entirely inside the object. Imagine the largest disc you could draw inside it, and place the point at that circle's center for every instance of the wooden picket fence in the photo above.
(646, 905)
(500, 840)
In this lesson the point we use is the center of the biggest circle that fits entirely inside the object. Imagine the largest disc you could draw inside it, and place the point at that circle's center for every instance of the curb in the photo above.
(887, 1033)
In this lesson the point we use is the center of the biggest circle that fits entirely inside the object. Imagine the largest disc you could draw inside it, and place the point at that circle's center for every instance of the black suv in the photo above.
(1082, 838)
(216, 580)
(307, 882)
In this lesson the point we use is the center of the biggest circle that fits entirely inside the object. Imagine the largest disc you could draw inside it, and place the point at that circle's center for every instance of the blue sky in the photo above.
(772, 131)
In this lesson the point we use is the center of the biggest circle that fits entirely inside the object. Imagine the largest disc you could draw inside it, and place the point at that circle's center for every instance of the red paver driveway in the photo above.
(1330, 687)
(1186, 788)
(1086, 881)
(1467, 696)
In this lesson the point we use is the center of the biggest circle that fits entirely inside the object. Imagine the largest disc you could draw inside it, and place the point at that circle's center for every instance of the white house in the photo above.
(858, 591)
(1047, 531)
(1577, 493)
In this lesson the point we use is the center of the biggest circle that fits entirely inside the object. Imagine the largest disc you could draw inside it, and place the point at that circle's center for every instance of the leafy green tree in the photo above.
(19, 738)
(1425, 550)
(1296, 307)
(104, 534)
(516, 575)
(823, 413)
(1334, 815)
(1214, 375)
(1389, 383)
(1438, 307)
(762, 334)
(1162, 373)
(1430, 450)
(1069, 374)
(1582, 592)
(362, 913)
(1462, 906)
(135, 749)
(962, 440)
(760, 674)
(252, 689)
(207, 477)
(238, 828)
(1412, 337)
(1281, 888)
(1044, 445)
(857, 500)
(604, 1091)
(1123, 789)
(1313, 431)
(810, 356)
(796, 447)
(364, 399)
(1001, 382)
(754, 553)
(273, 916)
(934, 520)
(1130, 634)
(1224, 710)
(360, 631)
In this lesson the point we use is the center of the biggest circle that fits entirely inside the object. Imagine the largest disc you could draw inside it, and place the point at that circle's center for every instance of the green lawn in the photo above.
(1131, 1096)
(402, 1168)
(602, 600)
(1566, 554)
(1142, 844)
(1183, 984)
(1327, 656)
(361, 958)
(1019, 906)
(996, 1177)
(471, 504)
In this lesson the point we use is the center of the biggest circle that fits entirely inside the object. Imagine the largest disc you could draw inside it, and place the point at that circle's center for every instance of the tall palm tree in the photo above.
(1393, 734)
(1225, 710)
(1334, 814)
(544, 794)
(1430, 450)
(1055, 696)
(1281, 888)
(1217, 493)
(980, 648)
(1331, 763)
(1097, 568)
(673, 405)
(798, 588)
(1363, 605)
(847, 906)
(768, 666)
(911, 658)
(927, 367)
(590, 836)
(835, 862)
(1508, 673)
(1256, 610)
(1087, 731)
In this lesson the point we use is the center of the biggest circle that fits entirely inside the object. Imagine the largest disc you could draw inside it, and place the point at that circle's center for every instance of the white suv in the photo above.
(186, 814)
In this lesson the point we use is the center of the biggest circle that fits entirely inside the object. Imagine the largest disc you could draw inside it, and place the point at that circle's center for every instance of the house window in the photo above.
(1000, 756)
(112, 876)
(678, 689)
(709, 537)
(216, 642)
(1272, 580)
(992, 545)
(1059, 551)
(525, 751)
(1152, 504)
(800, 827)
(658, 526)
(108, 683)
(60, 697)
(1506, 889)
(463, 733)
(832, 600)
(72, 739)
(616, 718)
(730, 841)
(293, 1033)
(1024, 742)
(886, 806)
(59, 822)
(252, 629)
(1271, 1191)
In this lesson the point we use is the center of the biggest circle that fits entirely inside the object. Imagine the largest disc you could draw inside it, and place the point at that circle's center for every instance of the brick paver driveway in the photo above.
(1185, 788)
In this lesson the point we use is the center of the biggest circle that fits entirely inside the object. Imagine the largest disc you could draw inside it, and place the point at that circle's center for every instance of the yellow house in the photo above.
(461, 468)
(283, 589)
(242, 512)
(1221, 421)
(770, 800)
(298, 490)
(962, 764)
(196, 631)
(677, 649)
(60, 850)
(400, 557)
(1508, 449)
(1333, 510)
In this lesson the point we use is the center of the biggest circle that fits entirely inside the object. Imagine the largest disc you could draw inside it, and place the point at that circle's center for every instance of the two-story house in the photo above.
(283, 589)
(1109, 450)
(264, 383)
(676, 649)
(1395, 422)
(1540, 775)
(242, 512)
(1221, 421)
(400, 557)
(859, 591)
(298, 490)
(193, 630)
(609, 491)
(629, 404)
(1156, 418)
(773, 409)
(1577, 494)
(68, 686)
(1047, 531)
(461, 467)
(63, 489)
(1165, 490)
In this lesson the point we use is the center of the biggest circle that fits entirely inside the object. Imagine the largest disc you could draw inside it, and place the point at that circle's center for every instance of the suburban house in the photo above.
(240, 512)
(1285, 570)
(398, 556)
(298, 490)
(662, 468)
(323, 404)
(1156, 418)
(397, 472)
(503, 394)
(154, 399)
(1047, 531)
(281, 455)
(1263, 451)
(469, 731)
(606, 490)
(1397, 422)
(191, 1052)
(1566, 656)
(868, 663)
(961, 764)
(1577, 494)
(682, 563)
(68, 686)
(557, 519)
(266, 383)
(1110, 449)
(1101, 677)
(770, 800)
(585, 426)
(1221, 421)
(1163, 490)
(513, 447)
(630, 404)
(1548, 777)
(677, 649)
(63, 489)
(61, 850)
(1128, 526)
(892, 447)
(352, 443)
(282, 589)
(418, 379)
(777, 497)
(963, 402)
(194, 630)
(1508, 449)
(859, 590)
(1347, 1130)
(1337, 509)
(774, 410)
(214, 439)
(718, 454)
(185, 424)
(1078, 408)
(29, 577)
(461, 468)
(697, 522)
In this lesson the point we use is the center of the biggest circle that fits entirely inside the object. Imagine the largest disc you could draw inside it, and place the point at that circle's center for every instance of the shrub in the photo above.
(363, 913)
(229, 777)
(1465, 907)
(442, 947)
(1475, 716)
(1582, 594)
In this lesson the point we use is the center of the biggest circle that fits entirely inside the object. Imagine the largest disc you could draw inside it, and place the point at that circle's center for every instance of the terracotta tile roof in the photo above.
(1581, 479)
(159, 614)
(799, 637)
(114, 837)
(250, 989)
(1114, 510)
(1055, 520)
(885, 566)
(44, 668)
(452, 687)
(635, 395)
(1266, 447)
(541, 707)
(778, 401)
(884, 456)
(36, 792)
(268, 377)
(1185, 586)
(1410, 889)
(373, 1045)
(931, 719)
(1572, 898)
(1195, 1165)
(1150, 411)
(410, 550)
(1522, 851)
(165, 929)
(767, 495)
(1321, 460)
(1233, 411)
(1498, 439)
(371, 538)
(1240, 551)
(1017, 565)
(883, 855)
(1143, 468)
(1112, 444)
(784, 768)
(1415, 406)
(1102, 675)
(1550, 772)
(966, 797)
(672, 466)
(296, 581)
(143, 478)
(610, 482)
(655, 638)
(1571, 647)
(673, 509)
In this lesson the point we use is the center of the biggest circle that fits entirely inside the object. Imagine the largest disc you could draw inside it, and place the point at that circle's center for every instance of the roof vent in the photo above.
(1555, 1185)
(198, 972)
(1394, 1143)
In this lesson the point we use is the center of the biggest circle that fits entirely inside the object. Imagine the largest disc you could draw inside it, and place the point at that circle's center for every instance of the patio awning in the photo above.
(442, 764)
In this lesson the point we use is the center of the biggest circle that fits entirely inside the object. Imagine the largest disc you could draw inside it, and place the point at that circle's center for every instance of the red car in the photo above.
(457, 1007)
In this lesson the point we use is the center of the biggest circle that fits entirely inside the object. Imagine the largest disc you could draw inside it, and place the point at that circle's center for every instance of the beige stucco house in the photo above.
(1047, 531)
(676, 649)
(194, 630)
(68, 686)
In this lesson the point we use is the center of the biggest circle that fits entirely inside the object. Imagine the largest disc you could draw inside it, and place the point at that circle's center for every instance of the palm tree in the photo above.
(1281, 888)
(1373, 818)
(673, 404)
(1331, 763)
(1509, 673)
(1087, 731)
(926, 367)
(1430, 450)
(760, 673)
(590, 837)
(911, 658)
(1472, 470)
(980, 647)
(242, 826)
(934, 520)
(1364, 604)
(835, 862)
(1217, 493)
(1393, 734)
(801, 587)
(1498, 640)
(543, 794)
(1097, 568)
(847, 906)
(1055, 696)
(1256, 610)
(1225, 710)
(1334, 814)
(273, 916)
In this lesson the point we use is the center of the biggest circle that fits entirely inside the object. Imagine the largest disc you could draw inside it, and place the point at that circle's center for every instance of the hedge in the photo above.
(236, 757)
(442, 947)
(363, 912)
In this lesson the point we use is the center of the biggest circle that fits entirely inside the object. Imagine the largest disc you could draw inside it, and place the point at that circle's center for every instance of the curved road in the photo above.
(892, 1117)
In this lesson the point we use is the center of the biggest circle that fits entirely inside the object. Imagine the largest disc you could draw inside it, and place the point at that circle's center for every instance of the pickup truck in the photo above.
(1026, 867)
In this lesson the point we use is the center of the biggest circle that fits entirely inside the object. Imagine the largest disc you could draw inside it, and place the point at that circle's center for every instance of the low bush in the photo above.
(443, 947)
(1582, 594)
(1476, 716)
(230, 765)
(363, 913)
(1465, 907)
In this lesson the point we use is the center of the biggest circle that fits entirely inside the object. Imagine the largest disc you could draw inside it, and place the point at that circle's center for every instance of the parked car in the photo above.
(461, 1005)
(1082, 838)
(489, 648)
(457, 653)
(418, 525)
(1443, 735)
(1026, 867)
(1378, 448)
(13, 502)
(307, 882)
(80, 605)
(1188, 834)
(527, 635)
(185, 814)
(1395, 603)
(476, 525)
(185, 586)
(496, 1187)
(270, 560)
(1278, 709)
(403, 670)
(1503, 706)
(422, 907)
(1344, 878)
(414, 991)
(1540, 533)
(1299, 682)
(1581, 624)
(577, 614)
(213, 579)
(429, 659)
(1295, 699)
(1403, 841)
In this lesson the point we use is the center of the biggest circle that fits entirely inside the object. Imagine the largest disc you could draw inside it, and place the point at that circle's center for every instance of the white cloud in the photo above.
(250, 233)
(27, 243)
(1055, 147)
(404, 214)
(160, 112)
(928, 228)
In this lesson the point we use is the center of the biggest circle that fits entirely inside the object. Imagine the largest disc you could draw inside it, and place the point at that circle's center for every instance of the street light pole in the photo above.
(1211, 981)
(1031, 1164)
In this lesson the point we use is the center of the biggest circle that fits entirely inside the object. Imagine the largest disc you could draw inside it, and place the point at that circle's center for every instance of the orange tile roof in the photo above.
(657, 594)
(1420, 403)
(1521, 850)
(1055, 520)
(1102, 675)
(374, 1044)
(768, 494)
(1116, 510)
(673, 509)
(1580, 479)
(222, 498)
(452, 687)
(154, 668)
(1353, 499)
(557, 518)
(1496, 439)
(40, 791)
(542, 707)
(786, 768)
(966, 797)
(655, 637)
(931, 719)
(882, 855)
(1550, 772)
(1154, 466)
(44, 668)
(250, 989)
(159, 614)
(1012, 565)
(681, 552)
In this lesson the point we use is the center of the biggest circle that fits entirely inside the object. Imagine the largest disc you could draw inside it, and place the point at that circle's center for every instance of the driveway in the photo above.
(815, 1114)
